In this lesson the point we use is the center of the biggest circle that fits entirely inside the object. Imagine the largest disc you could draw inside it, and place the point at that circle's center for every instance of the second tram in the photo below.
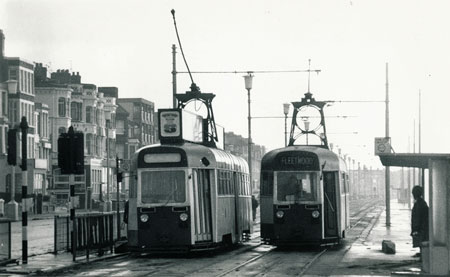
(304, 196)
(187, 197)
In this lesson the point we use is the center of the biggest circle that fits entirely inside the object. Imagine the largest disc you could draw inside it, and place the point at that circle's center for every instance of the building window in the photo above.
(89, 115)
(22, 81)
(75, 111)
(13, 75)
(120, 127)
(89, 144)
(61, 107)
(4, 103)
(39, 125)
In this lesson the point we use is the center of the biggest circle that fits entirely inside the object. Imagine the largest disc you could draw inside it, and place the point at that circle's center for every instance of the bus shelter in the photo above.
(435, 254)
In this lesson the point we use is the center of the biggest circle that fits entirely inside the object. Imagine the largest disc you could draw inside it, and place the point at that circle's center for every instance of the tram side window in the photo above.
(347, 180)
(267, 184)
(230, 183)
(225, 184)
(221, 182)
(342, 185)
(163, 187)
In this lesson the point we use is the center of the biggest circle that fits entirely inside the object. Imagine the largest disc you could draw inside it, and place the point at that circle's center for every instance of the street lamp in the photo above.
(108, 203)
(248, 86)
(286, 112)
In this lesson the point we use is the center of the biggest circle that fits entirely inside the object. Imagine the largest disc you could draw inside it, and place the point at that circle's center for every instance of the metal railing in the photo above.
(5, 241)
(94, 233)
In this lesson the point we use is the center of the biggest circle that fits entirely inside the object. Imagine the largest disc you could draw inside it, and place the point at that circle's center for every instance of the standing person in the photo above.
(419, 218)
(255, 205)
(125, 213)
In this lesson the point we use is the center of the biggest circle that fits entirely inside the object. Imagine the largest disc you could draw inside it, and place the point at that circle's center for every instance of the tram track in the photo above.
(252, 252)
(251, 258)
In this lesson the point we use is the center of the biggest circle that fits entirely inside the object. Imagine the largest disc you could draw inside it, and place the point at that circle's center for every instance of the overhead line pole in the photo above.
(387, 172)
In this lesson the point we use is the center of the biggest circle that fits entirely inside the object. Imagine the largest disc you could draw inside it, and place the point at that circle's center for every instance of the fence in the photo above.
(5, 241)
(94, 232)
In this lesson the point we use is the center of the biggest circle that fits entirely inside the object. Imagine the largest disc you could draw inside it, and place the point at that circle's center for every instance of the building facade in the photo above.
(238, 145)
(140, 124)
(87, 110)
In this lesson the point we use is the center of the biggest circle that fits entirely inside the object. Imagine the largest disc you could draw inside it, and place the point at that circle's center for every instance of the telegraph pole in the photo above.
(387, 172)
(24, 129)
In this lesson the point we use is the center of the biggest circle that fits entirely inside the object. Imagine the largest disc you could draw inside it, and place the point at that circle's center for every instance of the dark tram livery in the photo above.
(304, 189)
(187, 196)
(304, 196)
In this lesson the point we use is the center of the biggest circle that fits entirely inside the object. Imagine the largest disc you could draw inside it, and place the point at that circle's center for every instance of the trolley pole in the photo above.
(387, 172)
(24, 129)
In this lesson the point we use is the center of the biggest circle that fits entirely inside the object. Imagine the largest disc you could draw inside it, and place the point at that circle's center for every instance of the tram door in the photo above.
(329, 205)
(202, 205)
(237, 215)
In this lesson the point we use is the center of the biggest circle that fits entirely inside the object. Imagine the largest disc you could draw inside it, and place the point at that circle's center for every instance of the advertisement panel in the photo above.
(170, 123)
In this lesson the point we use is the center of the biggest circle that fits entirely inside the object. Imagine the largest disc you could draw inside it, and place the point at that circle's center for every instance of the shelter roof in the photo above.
(420, 160)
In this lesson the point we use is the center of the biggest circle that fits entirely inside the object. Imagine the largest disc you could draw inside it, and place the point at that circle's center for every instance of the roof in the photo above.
(326, 158)
(420, 160)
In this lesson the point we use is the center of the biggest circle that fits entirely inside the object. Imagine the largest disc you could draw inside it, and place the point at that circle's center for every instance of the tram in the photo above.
(304, 196)
(187, 197)
(304, 189)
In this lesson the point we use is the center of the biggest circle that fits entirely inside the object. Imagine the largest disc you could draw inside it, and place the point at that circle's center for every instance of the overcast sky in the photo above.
(127, 44)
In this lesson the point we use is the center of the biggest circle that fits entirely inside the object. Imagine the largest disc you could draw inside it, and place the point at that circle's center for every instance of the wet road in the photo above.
(40, 237)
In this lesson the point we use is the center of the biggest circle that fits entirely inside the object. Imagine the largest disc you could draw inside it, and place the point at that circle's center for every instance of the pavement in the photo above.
(364, 257)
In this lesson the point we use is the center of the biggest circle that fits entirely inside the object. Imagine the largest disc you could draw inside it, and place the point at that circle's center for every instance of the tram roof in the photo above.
(216, 157)
(332, 160)
(420, 160)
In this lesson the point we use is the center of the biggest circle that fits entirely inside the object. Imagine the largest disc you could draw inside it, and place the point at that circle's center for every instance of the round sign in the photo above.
(381, 147)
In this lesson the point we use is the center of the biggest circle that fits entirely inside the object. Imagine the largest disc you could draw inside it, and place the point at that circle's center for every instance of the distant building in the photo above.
(238, 145)
(141, 123)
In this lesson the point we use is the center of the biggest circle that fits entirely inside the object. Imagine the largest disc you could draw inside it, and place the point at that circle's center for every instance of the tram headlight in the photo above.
(184, 217)
(315, 214)
(144, 217)
(280, 214)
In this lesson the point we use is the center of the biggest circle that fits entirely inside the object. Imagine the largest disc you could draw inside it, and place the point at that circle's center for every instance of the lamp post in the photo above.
(286, 112)
(108, 203)
(248, 86)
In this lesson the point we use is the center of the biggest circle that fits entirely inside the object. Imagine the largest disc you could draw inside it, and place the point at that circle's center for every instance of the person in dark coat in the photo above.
(255, 205)
(419, 218)
(125, 213)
